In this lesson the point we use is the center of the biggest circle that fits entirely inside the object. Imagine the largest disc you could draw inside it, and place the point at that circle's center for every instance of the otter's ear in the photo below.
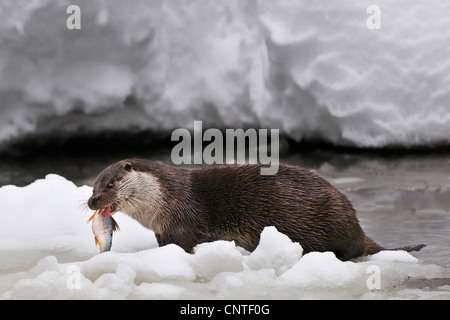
(128, 167)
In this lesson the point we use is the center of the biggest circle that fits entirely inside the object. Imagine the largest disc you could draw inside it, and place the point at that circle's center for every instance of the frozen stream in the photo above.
(44, 238)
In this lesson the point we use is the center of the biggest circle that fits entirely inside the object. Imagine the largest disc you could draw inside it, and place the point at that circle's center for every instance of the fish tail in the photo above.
(115, 225)
(92, 217)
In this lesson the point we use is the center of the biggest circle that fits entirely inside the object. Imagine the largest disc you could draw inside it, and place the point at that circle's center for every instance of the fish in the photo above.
(103, 228)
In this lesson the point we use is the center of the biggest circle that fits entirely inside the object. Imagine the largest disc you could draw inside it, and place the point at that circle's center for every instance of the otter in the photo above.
(191, 206)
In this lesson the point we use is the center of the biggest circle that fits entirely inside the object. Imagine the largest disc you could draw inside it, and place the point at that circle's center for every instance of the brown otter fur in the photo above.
(191, 206)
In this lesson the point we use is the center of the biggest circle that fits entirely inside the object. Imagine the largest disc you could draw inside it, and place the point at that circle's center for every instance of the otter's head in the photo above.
(122, 187)
(106, 196)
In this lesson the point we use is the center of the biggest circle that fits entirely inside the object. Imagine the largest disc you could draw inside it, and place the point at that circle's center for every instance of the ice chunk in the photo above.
(216, 257)
(275, 250)
(397, 255)
(321, 269)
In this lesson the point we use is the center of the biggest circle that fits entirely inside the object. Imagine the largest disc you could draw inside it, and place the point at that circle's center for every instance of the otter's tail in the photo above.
(372, 247)
(415, 247)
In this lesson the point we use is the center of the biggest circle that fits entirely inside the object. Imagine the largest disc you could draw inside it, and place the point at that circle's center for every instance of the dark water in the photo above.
(400, 200)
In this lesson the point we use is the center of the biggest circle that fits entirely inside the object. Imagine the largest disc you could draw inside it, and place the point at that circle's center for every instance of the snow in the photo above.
(47, 251)
(275, 251)
(309, 68)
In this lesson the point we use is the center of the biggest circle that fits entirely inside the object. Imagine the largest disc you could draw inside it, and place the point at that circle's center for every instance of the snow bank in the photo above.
(52, 214)
(309, 68)
(47, 251)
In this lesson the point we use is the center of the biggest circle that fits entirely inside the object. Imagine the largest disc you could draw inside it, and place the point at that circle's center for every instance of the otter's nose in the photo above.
(93, 201)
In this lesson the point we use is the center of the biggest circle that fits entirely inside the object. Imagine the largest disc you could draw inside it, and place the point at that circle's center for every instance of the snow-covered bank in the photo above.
(47, 251)
(309, 68)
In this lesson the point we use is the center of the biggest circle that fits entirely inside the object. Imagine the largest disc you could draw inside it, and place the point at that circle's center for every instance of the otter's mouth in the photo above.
(109, 210)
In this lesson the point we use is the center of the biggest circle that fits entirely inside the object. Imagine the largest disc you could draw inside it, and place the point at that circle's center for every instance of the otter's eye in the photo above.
(110, 186)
